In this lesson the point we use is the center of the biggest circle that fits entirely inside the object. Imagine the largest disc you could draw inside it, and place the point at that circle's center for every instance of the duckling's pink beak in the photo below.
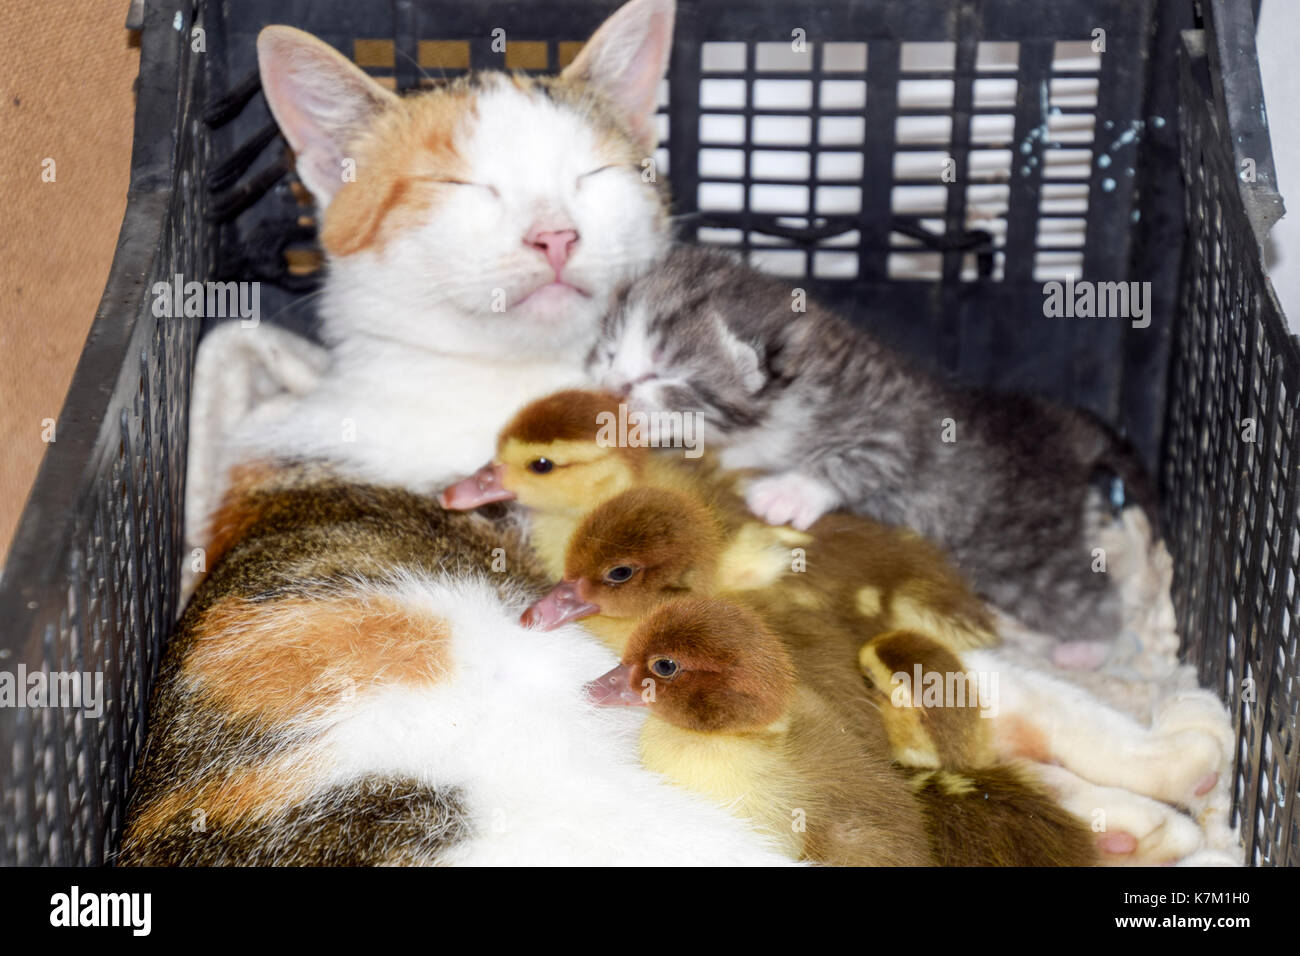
(479, 489)
(614, 689)
(562, 604)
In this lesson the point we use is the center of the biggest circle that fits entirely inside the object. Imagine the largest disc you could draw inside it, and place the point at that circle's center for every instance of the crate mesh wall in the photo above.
(64, 802)
(1230, 485)
(111, 539)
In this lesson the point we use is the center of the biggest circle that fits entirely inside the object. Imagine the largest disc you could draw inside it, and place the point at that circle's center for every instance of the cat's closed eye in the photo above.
(464, 182)
(598, 169)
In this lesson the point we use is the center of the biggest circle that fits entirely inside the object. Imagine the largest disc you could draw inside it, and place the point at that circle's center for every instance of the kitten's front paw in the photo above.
(790, 498)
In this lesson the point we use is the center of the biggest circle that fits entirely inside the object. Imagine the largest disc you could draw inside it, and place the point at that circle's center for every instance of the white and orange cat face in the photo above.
(495, 217)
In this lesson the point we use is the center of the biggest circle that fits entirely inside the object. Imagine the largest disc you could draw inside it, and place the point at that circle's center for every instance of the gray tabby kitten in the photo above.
(838, 420)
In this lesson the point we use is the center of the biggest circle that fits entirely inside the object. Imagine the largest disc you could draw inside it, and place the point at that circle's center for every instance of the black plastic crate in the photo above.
(92, 577)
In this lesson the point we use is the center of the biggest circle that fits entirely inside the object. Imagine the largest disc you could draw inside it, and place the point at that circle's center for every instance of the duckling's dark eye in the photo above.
(619, 574)
(541, 466)
(664, 667)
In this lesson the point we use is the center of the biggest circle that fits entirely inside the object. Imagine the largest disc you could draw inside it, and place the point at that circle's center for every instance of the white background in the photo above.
(1278, 40)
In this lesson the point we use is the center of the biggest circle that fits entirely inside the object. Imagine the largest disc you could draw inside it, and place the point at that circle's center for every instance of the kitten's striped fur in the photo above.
(838, 420)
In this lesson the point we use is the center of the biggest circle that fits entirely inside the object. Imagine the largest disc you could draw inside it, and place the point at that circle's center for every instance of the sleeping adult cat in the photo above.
(475, 235)
(348, 684)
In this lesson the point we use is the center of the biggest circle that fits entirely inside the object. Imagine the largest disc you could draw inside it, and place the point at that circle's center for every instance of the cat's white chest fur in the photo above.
(410, 418)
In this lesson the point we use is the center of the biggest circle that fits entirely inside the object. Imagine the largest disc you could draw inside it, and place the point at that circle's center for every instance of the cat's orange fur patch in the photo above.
(1017, 737)
(238, 510)
(409, 146)
(295, 658)
(245, 797)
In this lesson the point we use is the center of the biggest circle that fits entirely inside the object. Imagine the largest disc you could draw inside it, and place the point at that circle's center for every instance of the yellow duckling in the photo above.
(557, 458)
(731, 719)
(781, 733)
(554, 459)
(858, 578)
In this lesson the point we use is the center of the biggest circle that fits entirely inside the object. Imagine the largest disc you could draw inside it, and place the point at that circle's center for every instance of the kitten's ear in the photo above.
(321, 101)
(625, 60)
(742, 355)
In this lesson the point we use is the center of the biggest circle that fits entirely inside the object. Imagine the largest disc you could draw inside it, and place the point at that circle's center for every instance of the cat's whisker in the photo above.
(296, 303)
(415, 63)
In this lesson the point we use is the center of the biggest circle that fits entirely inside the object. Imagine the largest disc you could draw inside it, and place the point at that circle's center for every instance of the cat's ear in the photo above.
(743, 356)
(625, 60)
(321, 101)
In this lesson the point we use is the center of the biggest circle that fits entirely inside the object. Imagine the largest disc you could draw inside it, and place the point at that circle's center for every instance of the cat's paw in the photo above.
(1194, 738)
(1146, 833)
(1182, 758)
(790, 498)
(1131, 830)
(1196, 710)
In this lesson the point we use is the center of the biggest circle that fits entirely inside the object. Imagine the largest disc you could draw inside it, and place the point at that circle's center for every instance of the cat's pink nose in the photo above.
(556, 244)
